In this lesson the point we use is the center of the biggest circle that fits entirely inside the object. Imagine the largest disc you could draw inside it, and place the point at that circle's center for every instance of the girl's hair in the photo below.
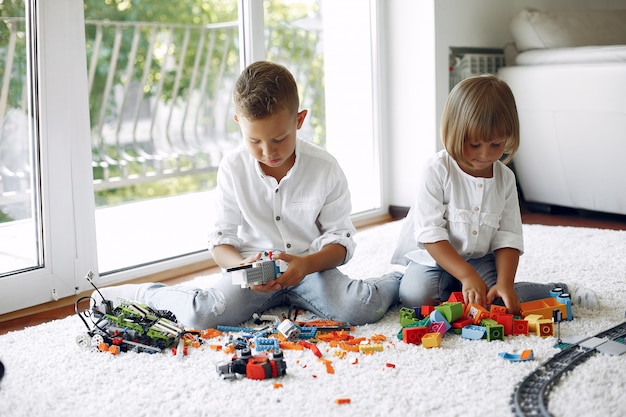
(265, 88)
(480, 108)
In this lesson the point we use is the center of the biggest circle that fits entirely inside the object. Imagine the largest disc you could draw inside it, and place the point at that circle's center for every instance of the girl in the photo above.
(464, 232)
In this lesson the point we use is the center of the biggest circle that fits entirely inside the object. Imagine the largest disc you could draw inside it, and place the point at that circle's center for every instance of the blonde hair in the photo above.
(480, 108)
(265, 88)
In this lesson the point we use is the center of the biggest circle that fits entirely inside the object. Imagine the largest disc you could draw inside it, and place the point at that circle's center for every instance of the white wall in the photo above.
(410, 110)
(418, 35)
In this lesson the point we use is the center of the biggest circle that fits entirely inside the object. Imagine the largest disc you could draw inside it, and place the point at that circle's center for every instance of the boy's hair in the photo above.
(480, 108)
(263, 89)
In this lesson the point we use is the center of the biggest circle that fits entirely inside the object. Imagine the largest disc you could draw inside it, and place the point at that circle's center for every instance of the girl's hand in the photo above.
(475, 291)
(508, 295)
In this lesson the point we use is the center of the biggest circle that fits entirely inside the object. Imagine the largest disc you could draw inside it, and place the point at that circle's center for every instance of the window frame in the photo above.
(65, 202)
(60, 91)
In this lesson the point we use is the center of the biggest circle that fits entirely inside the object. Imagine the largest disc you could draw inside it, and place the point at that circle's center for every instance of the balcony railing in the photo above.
(160, 98)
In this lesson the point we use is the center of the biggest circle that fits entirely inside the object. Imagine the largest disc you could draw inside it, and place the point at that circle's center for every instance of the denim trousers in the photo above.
(328, 294)
(430, 285)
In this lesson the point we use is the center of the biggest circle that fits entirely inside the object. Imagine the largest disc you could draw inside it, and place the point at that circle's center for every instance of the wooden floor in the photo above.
(557, 217)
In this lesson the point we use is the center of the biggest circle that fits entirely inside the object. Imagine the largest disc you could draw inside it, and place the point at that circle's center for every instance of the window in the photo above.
(136, 113)
(20, 211)
(50, 83)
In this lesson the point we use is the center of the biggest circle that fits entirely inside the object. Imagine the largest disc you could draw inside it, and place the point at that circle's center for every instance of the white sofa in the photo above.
(569, 82)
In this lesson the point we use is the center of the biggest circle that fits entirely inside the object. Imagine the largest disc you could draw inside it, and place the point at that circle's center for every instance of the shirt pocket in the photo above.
(456, 215)
(491, 220)
(305, 210)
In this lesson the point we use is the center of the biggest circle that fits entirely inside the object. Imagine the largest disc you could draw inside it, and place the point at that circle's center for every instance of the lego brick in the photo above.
(414, 335)
(430, 340)
(520, 327)
(544, 328)
(473, 332)
(506, 320)
(496, 310)
(495, 332)
(451, 310)
(456, 296)
(438, 327)
(457, 325)
(426, 310)
(437, 317)
(611, 347)
(476, 312)
(407, 316)
(543, 307)
(532, 321)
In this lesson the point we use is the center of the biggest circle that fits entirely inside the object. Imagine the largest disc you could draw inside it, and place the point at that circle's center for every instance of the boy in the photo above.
(281, 194)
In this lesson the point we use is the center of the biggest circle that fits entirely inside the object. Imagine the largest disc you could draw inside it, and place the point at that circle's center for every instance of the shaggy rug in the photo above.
(47, 373)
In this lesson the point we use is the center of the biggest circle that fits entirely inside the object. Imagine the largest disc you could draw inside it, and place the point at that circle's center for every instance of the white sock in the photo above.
(583, 297)
(118, 293)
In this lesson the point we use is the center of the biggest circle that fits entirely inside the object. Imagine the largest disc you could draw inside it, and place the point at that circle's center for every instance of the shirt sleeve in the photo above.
(228, 215)
(334, 220)
(430, 210)
(509, 234)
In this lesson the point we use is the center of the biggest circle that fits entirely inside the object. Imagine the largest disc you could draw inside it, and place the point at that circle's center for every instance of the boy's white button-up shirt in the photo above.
(476, 215)
(309, 209)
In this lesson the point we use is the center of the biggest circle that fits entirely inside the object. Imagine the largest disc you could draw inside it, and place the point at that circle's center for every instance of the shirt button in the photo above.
(288, 245)
(277, 218)
(476, 208)
(348, 234)
(219, 233)
(276, 190)
(474, 232)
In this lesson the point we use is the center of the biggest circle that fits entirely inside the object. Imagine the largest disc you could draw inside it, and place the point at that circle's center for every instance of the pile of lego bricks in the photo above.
(427, 325)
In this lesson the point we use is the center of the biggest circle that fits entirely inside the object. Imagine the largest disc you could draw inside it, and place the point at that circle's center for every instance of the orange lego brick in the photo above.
(495, 310)
(543, 307)
(476, 312)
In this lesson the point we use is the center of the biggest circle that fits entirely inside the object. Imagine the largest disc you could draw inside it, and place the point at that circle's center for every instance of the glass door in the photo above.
(46, 202)
(20, 210)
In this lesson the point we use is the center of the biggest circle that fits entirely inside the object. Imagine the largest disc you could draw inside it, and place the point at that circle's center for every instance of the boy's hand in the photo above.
(508, 295)
(252, 258)
(292, 276)
(297, 269)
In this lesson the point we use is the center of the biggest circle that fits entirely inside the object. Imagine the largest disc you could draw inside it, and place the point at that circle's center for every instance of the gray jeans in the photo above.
(328, 294)
(430, 285)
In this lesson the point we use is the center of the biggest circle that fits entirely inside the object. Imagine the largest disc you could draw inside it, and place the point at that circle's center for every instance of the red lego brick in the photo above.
(520, 327)
(413, 335)
(456, 297)
(506, 320)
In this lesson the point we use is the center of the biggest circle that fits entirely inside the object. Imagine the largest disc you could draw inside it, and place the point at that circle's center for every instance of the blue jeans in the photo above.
(430, 285)
(328, 294)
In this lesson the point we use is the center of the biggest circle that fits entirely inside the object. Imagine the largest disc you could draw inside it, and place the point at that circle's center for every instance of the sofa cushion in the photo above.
(537, 29)
(578, 55)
